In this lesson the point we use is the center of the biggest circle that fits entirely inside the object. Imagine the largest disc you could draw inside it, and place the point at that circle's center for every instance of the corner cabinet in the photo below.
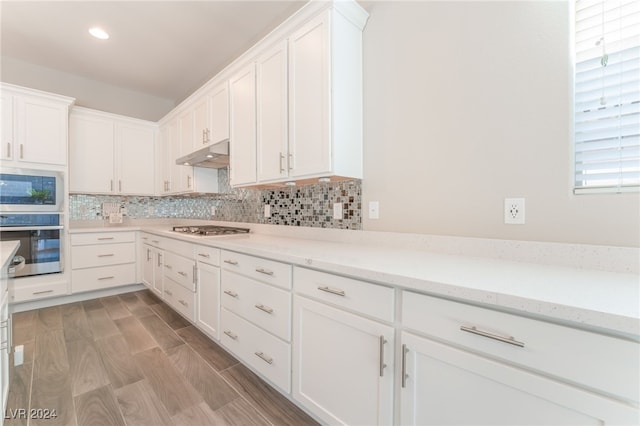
(111, 154)
(34, 127)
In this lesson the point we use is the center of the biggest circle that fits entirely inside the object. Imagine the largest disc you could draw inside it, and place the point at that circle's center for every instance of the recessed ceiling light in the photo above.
(98, 33)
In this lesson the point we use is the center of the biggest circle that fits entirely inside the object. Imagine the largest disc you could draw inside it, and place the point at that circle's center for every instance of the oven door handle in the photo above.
(29, 228)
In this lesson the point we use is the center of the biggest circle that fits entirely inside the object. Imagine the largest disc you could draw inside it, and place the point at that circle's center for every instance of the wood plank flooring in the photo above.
(130, 360)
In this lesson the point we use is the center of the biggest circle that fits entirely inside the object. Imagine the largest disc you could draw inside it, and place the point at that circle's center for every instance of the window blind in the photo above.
(607, 96)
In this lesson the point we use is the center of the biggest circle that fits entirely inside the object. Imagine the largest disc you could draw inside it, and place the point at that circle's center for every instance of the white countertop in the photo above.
(592, 298)
(8, 249)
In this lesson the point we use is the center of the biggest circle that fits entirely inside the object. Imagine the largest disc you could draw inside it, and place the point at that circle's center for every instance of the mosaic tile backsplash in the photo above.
(309, 205)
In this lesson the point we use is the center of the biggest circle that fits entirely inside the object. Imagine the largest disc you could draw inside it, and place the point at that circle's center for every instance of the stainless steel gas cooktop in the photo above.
(210, 230)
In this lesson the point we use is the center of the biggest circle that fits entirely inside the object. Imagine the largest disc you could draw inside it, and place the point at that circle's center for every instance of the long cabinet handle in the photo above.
(8, 149)
(231, 335)
(148, 255)
(231, 293)
(195, 274)
(230, 262)
(183, 303)
(105, 238)
(21, 151)
(404, 365)
(106, 255)
(42, 292)
(281, 162)
(168, 292)
(332, 290)
(264, 357)
(205, 255)
(290, 162)
(264, 308)
(184, 274)
(119, 185)
(106, 278)
(111, 185)
(264, 271)
(510, 340)
(159, 259)
(168, 266)
(381, 344)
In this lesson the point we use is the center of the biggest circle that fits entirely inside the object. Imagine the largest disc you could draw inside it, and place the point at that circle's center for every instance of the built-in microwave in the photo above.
(25, 190)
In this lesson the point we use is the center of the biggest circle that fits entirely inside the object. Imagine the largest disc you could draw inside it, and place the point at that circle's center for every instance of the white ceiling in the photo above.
(165, 49)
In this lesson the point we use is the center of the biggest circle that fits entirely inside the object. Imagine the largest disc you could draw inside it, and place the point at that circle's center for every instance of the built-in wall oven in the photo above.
(31, 212)
(40, 236)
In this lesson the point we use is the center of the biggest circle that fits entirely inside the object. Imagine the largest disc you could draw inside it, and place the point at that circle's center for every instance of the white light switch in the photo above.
(337, 210)
(374, 210)
(267, 210)
(213, 210)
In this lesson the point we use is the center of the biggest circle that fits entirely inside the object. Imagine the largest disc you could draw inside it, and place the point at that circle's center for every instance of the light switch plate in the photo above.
(337, 210)
(267, 210)
(374, 210)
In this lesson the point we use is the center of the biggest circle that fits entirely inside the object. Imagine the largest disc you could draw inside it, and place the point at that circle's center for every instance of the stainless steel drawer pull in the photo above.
(332, 291)
(183, 303)
(230, 293)
(231, 262)
(155, 241)
(168, 266)
(8, 149)
(168, 292)
(265, 358)
(184, 274)
(265, 308)
(106, 278)
(381, 346)
(106, 255)
(264, 271)
(510, 340)
(204, 255)
(405, 350)
(4, 324)
(42, 292)
(231, 335)
(105, 238)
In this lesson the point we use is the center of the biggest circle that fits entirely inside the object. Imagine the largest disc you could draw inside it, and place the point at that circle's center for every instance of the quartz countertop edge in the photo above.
(590, 298)
(8, 249)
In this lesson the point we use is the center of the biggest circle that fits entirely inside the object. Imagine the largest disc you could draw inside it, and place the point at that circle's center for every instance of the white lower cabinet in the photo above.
(152, 272)
(178, 278)
(342, 364)
(208, 293)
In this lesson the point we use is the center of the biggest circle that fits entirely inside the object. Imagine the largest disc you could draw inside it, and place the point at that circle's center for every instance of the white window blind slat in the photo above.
(607, 96)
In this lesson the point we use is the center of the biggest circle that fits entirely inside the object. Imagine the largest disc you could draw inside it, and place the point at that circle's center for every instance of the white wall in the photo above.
(467, 103)
(88, 93)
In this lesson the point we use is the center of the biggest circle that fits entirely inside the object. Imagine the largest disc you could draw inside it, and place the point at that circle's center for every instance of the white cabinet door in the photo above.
(447, 386)
(185, 133)
(152, 268)
(202, 127)
(220, 113)
(92, 154)
(6, 147)
(42, 130)
(242, 143)
(137, 158)
(208, 299)
(309, 108)
(168, 136)
(342, 365)
(272, 114)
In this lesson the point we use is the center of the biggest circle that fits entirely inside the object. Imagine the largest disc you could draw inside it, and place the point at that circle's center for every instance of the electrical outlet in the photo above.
(337, 210)
(213, 210)
(374, 210)
(267, 210)
(149, 210)
(514, 211)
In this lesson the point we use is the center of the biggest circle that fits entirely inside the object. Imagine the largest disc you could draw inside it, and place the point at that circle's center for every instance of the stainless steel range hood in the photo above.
(214, 157)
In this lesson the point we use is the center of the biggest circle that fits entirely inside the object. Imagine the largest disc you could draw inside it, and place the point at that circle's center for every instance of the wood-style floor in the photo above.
(131, 360)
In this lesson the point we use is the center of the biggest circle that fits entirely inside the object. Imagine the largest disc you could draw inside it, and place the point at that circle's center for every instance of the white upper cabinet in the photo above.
(34, 127)
(111, 154)
(201, 123)
(219, 102)
(272, 115)
(242, 141)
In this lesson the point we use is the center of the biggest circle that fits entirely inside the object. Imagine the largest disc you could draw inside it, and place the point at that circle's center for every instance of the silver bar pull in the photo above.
(510, 340)
(382, 341)
(106, 278)
(183, 303)
(184, 274)
(264, 271)
(168, 292)
(148, 255)
(264, 308)
(404, 365)
(195, 274)
(205, 255)
(168, 266)
(231, 335)
(281, 161)
(111, 185)
(155, 241)
(230, 293)
(231, 262)
(119, 186)
(8, 149)
(106, 255)
(21, 151)
(159, 259)
(105, 238)
(42, 292)
(332, 290)
(290, 162)
(188, 181)
(264, 357)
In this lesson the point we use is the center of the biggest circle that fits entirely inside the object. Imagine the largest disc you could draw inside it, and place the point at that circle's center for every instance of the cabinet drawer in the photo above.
(206, 254)
(25, 293)
(269, 355)
(264, 305)
(102, 255)
(602, 362)
(181, 248)
(102, 277)
(180, 269)
(153, 240)
(268, 271)
(360, 296)
(103, 238)
(181, 299)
